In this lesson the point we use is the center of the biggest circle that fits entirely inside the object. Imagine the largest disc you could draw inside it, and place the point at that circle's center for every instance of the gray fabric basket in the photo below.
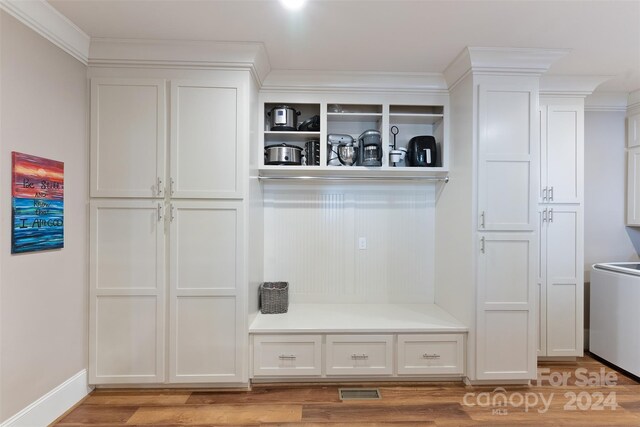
(274, 297)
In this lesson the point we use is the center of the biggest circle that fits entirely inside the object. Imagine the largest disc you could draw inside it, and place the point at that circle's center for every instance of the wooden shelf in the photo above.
(352, 117)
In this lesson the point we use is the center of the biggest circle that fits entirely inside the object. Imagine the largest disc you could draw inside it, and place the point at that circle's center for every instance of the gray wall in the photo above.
(606, 237)
(43, 295)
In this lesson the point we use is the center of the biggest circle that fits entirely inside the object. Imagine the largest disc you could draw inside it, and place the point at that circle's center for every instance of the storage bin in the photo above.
(274, 297)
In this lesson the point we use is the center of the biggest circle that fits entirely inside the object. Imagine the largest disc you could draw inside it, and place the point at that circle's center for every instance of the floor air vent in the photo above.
(359, 393)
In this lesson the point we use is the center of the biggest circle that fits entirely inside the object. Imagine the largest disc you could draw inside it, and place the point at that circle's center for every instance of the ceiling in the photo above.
(386, 35)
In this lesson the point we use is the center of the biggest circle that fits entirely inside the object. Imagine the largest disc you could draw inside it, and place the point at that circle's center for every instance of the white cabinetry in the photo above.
(633, 186)
(506, 157)
(507, 165)
(561, 279)
(506, 315)
(127, 294)
(633, 169)
(206, 335)
(431, 354)
(633, 130)
(560, 215)
(352, 114)
(183, 237)
(128, 143)
(128, 138)
(359, 355)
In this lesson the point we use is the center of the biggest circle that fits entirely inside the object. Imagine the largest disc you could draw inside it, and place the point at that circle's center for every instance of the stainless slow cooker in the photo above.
(283, 118)
(282, 154)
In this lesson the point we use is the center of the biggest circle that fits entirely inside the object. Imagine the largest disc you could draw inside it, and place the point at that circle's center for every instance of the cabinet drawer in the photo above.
(287, 355)
(359, 355)
(430, 354)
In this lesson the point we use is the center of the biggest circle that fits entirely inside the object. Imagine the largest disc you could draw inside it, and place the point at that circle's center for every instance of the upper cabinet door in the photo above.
(128, 141)
(507, 157)
(633, 130)
(633, 186)
(564, 152)
(207, 136)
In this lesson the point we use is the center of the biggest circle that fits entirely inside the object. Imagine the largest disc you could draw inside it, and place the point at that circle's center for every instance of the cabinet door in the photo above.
(128, 142)
(508, 155)
(506, 323)
(633, 131)
(633, 186)
(208, 331)
(564, 280)
(208, 135)
(562, 173)
(541, 290)
(127, 304)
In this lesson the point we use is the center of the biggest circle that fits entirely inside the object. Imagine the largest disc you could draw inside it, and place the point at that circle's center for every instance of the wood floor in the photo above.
(594, 395)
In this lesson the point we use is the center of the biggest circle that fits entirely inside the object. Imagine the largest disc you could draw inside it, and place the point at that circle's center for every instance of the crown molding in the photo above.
(490, 60)
(45, 20)
(322, 81)
(574, 86)
(606, 101)
(192, 54)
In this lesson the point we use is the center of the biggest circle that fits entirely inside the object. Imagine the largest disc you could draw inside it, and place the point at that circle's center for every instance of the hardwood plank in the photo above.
(357, 412)
(92, 415)
(313, 394)
(216, 414)
(138, 399)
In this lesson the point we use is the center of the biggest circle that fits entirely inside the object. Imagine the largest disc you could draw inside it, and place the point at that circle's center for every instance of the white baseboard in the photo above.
(49, 407)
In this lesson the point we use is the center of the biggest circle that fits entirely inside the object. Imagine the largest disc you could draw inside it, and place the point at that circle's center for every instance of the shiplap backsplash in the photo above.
(311, 235)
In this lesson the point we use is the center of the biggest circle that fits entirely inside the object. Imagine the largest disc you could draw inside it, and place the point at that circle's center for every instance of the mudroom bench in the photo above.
(357, 342)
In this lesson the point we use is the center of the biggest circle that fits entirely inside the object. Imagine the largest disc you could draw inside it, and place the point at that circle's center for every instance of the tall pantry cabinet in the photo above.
(560, 293)
(168, 229)
(489, 209)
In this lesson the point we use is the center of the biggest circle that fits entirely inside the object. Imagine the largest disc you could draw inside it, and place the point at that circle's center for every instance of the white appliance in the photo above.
(615, 314)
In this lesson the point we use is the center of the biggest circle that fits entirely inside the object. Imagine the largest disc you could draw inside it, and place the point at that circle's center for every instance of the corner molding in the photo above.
(490, 60)
(52, 405)
(191, 54)
(606, 101)
(571, 86)
(45, 20)
(354, 81)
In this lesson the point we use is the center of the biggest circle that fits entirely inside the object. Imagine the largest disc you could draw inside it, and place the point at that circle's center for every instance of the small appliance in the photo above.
(334, 140)
(283, 118)
(370, 144)
(422, 151)
(312, 124)
(282, 154)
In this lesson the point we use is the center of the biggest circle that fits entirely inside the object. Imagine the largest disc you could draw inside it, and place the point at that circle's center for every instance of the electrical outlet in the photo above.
(362, 243)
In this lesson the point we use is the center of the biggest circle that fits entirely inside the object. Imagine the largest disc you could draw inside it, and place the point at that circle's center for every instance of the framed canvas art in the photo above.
(37, 190)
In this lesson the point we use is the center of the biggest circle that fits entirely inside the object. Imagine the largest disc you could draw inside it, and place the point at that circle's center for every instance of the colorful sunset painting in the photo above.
(37, 189)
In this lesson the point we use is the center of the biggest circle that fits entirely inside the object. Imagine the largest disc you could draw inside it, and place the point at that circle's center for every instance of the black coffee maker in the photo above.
(422, 151)
(370, 148)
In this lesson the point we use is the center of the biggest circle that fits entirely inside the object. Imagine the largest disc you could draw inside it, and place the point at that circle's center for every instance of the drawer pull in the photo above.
(430, 356)
(287, 357)
(359, 356)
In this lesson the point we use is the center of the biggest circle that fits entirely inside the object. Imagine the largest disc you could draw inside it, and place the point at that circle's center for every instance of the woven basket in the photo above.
(274, 297)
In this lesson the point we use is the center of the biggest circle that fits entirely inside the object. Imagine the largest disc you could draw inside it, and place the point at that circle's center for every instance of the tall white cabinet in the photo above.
(560, 293)
(633, 162)
(168, 195)
(506, 182)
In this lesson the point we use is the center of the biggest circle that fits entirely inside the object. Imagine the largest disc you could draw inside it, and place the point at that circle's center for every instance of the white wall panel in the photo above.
(312, 234)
